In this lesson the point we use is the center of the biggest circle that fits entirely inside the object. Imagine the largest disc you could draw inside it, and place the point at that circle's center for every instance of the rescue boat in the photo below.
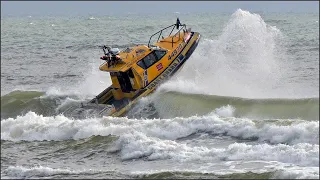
(137, 71)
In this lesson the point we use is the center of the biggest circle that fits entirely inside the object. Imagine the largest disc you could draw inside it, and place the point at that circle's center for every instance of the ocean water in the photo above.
(245, 105)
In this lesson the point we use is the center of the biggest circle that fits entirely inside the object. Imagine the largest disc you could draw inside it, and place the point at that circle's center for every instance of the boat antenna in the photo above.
(178, 23)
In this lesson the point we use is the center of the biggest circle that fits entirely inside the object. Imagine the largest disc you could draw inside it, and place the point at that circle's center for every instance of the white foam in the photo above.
(180, 85)
(297, 173)
(95, 81)
(32, 127)
(156, 138)
(66, 102)
(24, 172)
(54, 91)
(41, 171)
(138, 145)
(225, 111)
(281, 170)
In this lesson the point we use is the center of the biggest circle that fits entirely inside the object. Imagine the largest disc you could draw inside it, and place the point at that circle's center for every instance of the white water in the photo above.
(95, 81)
(32, 127)
(246, 60)
(158, 139)
(41, 171)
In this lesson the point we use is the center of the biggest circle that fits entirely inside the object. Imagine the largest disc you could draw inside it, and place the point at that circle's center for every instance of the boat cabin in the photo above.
(138, 66)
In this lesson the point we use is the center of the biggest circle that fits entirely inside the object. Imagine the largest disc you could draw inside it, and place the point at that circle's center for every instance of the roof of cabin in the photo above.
(133, 54)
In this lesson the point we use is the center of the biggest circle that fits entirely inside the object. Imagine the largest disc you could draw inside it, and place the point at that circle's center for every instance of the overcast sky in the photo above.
(75, 8)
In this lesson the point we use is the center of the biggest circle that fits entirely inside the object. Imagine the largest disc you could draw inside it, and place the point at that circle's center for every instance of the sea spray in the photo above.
(245, 61)
(94, 82)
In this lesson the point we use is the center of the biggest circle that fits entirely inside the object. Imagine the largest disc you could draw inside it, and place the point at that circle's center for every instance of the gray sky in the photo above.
(75, 8)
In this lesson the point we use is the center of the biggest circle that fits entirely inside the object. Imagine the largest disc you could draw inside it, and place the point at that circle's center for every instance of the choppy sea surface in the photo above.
(245, 105)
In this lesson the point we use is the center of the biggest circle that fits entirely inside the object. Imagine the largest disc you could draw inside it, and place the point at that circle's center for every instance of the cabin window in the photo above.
(159, 54)
(141, 64)
(149, 60)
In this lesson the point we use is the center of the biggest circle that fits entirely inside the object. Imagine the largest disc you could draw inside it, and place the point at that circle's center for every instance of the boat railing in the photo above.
(179, 27)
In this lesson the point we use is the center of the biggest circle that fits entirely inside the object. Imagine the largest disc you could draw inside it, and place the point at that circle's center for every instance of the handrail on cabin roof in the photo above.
(173, 25)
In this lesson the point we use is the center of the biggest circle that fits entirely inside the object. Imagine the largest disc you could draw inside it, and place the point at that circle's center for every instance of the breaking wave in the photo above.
(287, 142)
(173, 104)
(20, 102)
(167, 105)
(31, 127)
